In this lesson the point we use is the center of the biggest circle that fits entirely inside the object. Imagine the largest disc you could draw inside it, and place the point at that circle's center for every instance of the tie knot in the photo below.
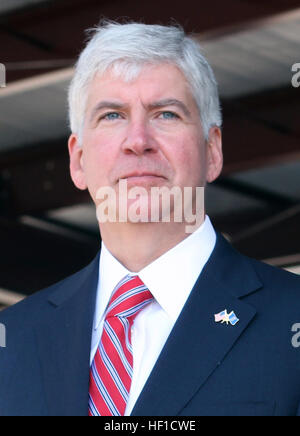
(129, 297)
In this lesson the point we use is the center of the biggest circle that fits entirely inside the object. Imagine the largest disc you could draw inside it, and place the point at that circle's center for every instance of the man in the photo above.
(164, 321)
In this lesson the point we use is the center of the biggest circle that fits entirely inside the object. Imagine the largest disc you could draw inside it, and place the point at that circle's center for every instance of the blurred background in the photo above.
(48, 229)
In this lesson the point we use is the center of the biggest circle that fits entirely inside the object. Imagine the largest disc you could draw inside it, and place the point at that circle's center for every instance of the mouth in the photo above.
(141, 176)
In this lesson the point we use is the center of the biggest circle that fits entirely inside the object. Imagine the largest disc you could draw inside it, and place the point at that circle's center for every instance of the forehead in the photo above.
(152, 82)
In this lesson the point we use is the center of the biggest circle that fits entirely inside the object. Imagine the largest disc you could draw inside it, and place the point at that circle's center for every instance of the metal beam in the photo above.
(35, 26)
(34, 258)
(277, 202)
(261, 130)
(37, 179)
(8, 298)
(275, 236)
(278, 15)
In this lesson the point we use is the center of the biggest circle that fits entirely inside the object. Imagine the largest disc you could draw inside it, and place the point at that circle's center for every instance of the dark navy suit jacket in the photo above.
(205, 368)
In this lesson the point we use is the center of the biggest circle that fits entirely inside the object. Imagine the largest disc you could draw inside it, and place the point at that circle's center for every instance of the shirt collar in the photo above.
(170, 278)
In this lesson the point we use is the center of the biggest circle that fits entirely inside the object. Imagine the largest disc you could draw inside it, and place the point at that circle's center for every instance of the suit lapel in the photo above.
(197, 344)
(195, 348)
(64, 344)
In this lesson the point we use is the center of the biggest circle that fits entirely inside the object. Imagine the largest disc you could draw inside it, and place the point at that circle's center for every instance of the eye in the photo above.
(167, 115)
(111, 116)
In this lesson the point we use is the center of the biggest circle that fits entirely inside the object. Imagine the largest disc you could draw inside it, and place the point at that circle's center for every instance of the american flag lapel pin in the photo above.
(225, 317)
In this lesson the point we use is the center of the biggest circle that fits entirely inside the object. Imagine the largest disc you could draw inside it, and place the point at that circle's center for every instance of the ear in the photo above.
(214, 154)
(76, 162)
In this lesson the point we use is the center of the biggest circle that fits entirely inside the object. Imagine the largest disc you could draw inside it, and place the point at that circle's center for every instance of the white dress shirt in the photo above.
(170, 279)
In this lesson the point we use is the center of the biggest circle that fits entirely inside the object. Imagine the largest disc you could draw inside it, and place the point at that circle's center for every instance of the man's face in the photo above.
(147, 131)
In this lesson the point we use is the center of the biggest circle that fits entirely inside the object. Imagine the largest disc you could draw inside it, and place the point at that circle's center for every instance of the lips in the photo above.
(137, 175)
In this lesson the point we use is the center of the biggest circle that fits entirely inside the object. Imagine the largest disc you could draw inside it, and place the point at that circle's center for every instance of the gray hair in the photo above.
(126, 48)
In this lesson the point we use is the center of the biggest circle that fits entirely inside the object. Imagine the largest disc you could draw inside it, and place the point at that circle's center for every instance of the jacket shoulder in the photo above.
(38, 303)
(281, 289)
(272, 274)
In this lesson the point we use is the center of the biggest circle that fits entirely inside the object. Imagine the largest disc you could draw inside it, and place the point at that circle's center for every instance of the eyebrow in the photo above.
(171, 102)
(155, 105)
(106, 105)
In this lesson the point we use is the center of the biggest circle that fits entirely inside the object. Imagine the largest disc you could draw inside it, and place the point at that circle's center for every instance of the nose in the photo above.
(138, 139)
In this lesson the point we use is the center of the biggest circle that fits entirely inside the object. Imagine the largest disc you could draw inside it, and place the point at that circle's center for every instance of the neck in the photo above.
(136, 245)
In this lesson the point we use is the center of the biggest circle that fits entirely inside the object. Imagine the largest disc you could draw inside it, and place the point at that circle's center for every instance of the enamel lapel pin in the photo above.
(230, 318)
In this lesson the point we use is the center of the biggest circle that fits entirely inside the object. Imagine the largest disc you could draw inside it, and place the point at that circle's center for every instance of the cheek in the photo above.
(97, 162)
(189, 158)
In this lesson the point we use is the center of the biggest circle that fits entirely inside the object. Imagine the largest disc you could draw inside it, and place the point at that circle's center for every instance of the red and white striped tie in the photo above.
(111, 371)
